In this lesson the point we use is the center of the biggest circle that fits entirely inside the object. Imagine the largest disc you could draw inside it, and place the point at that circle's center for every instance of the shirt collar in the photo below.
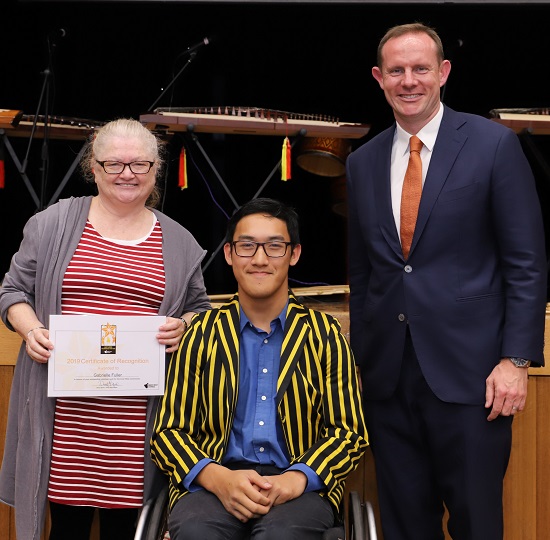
(428, 134)
(244, 319)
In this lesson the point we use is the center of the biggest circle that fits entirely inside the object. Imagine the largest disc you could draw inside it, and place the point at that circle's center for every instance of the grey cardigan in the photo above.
(35, 277)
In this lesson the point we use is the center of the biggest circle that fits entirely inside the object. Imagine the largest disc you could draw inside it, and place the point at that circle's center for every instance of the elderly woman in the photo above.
(112, 253)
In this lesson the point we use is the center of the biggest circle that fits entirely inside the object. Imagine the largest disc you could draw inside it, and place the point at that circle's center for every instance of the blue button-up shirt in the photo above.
(256, 435)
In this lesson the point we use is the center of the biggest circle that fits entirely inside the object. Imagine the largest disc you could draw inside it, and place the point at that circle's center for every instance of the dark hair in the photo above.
(412, 28)
(267, 207)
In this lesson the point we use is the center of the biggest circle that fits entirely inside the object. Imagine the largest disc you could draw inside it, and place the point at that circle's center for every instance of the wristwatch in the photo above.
(519, 362)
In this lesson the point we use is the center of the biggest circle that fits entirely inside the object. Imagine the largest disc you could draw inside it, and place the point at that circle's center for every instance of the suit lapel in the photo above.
(296, 334)
(227, 336)
(447, 147)
(382, 190)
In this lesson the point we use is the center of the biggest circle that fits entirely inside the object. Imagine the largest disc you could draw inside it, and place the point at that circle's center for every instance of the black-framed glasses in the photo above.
(117, 167)
(273, 249)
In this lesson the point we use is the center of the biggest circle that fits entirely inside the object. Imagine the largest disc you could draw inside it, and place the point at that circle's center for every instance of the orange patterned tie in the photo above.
(410, 196)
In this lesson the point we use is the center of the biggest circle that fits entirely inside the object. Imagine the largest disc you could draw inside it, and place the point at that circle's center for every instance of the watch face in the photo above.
(519, 362)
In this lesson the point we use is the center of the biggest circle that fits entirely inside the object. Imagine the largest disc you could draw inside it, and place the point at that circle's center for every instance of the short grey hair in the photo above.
(124, 127)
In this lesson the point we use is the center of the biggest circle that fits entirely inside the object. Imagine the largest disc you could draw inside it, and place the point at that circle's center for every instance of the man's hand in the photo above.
(506, 389)
(242, 493)
(285, 487)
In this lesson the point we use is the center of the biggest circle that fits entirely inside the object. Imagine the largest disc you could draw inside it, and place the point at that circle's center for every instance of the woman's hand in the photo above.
(171, 332)
(38, 344)
(25, 322)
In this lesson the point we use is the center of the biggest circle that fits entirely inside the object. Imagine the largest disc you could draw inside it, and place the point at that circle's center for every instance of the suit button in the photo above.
(408, 268)
(401, 317)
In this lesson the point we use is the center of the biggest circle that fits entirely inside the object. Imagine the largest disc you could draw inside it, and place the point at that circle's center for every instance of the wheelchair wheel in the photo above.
(157, 523)
(152, 522)
(361, 520)
(356, 520)
(370, 522)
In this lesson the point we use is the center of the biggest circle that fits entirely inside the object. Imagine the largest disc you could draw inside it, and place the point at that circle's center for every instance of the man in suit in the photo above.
(261, 421)
(446, 317)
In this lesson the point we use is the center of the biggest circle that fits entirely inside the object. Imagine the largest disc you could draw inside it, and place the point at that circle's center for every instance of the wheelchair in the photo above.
(152, 523)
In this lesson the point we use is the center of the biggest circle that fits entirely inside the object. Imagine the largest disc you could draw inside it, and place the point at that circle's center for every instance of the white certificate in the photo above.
(100, 355)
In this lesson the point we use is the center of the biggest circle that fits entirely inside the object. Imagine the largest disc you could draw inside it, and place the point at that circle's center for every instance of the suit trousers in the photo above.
(429, 453)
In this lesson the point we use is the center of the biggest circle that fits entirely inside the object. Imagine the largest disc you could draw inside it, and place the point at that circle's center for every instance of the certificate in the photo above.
(100, 355)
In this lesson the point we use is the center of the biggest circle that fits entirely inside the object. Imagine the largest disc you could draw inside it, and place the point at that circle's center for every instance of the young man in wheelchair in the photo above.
(261, 421)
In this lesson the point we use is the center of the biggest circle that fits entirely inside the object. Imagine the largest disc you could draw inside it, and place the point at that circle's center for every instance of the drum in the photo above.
(323, 156)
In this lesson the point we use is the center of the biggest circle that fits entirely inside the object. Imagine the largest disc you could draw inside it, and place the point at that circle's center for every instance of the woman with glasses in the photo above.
(105, 254)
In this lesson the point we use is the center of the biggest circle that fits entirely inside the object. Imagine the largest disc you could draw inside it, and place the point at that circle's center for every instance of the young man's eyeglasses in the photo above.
(246, 248)
(116, 167)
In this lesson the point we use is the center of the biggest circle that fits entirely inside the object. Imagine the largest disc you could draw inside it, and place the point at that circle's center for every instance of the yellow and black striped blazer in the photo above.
(318, 399)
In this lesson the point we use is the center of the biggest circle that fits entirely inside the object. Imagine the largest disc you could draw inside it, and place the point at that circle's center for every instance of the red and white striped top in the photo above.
(98, 444)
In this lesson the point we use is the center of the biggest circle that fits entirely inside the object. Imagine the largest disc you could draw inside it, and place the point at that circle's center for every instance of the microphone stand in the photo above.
(45, 154)
(45, 141)
(186, 65)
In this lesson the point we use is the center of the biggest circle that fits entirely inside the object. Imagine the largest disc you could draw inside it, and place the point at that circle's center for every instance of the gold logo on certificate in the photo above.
(108, 338)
